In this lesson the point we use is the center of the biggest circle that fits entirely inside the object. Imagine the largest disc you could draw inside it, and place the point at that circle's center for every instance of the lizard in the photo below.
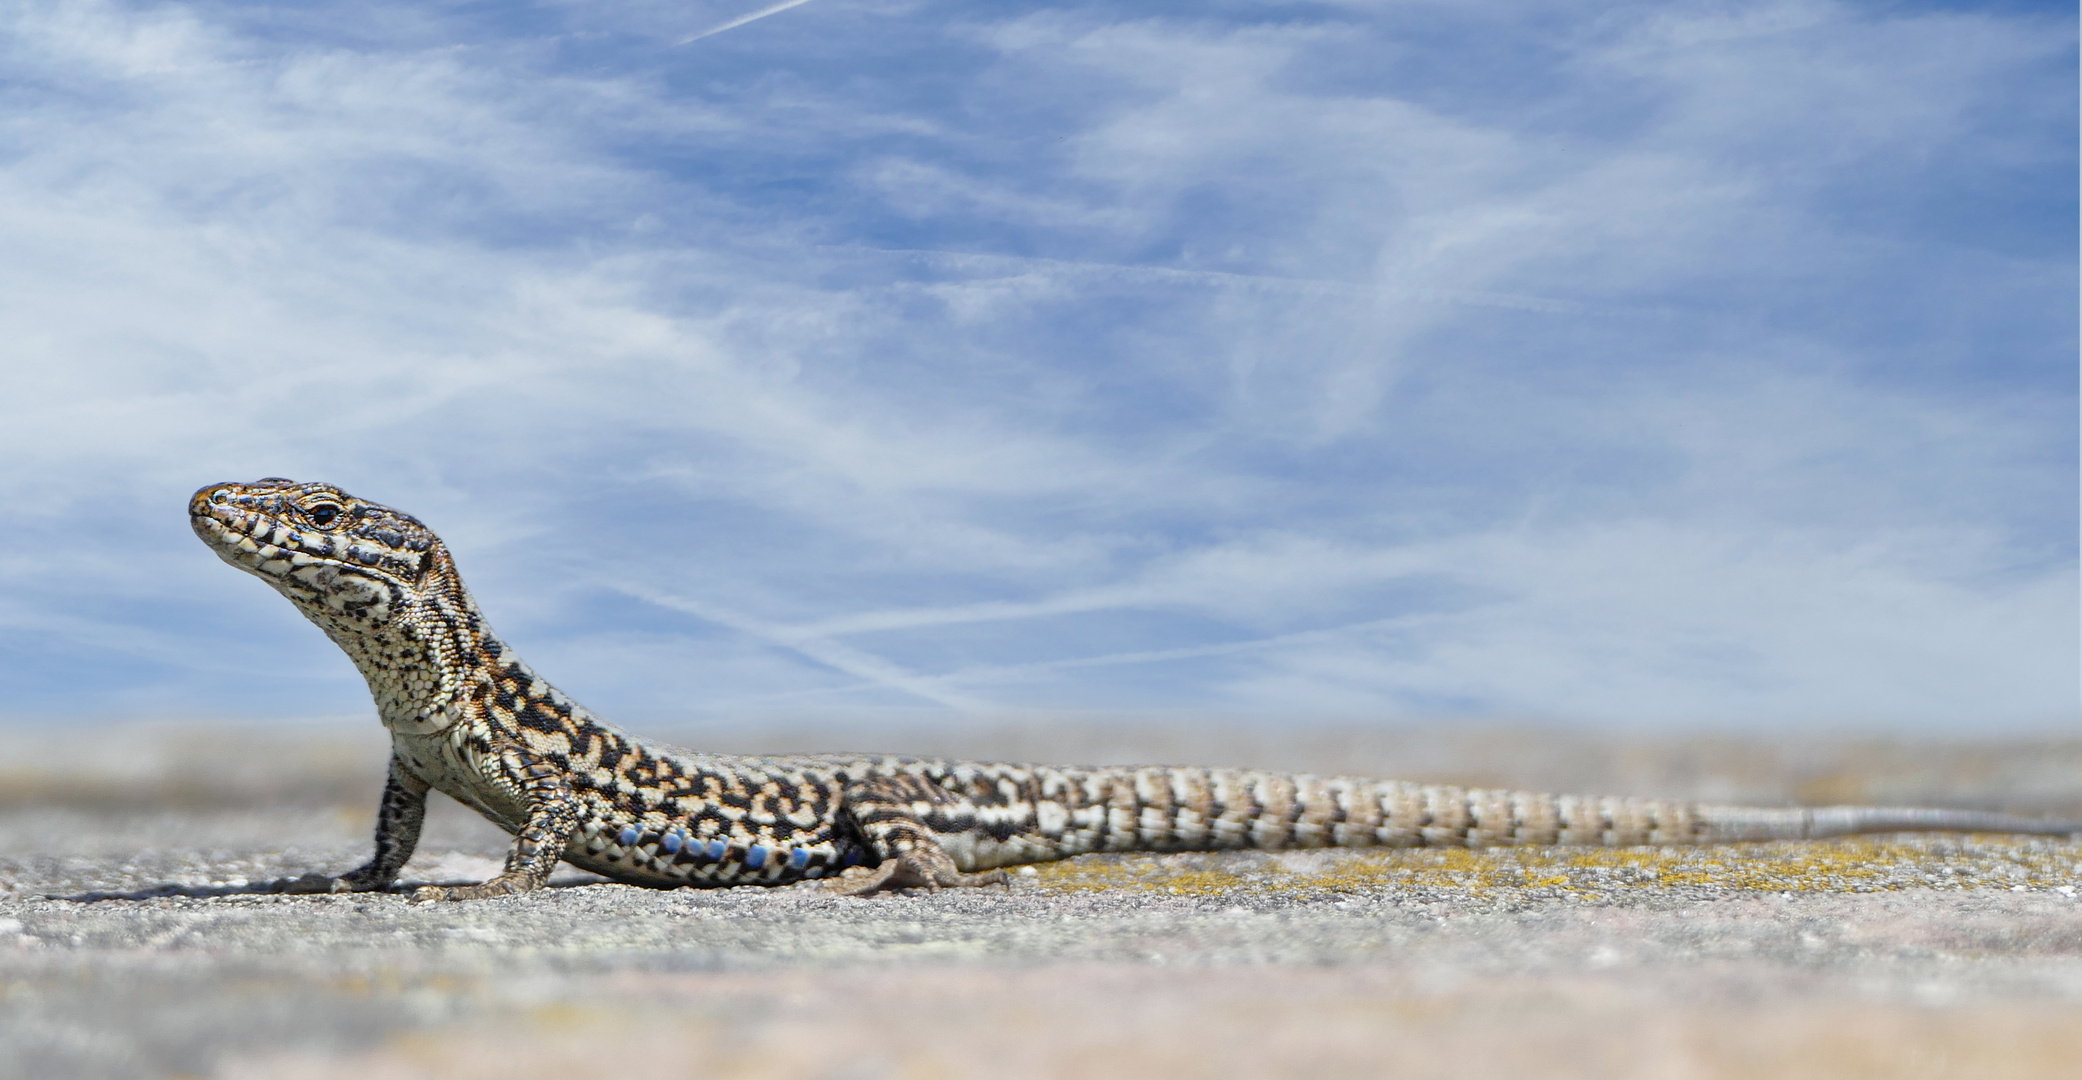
(468, 717)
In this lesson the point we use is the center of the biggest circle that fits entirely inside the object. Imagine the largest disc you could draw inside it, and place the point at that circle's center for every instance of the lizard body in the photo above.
(469, 718)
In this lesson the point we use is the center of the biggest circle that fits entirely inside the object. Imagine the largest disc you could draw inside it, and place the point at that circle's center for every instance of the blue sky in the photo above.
(1665, 363)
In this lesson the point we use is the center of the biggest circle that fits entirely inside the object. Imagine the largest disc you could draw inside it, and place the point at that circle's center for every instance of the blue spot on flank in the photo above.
(630, 836)
(755, 858)
(672, 841)
(852, 857)
(799, 858)
(716, 848)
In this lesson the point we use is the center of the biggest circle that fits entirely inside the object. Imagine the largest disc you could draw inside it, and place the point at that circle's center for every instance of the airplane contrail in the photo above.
(733, 24)
(832, 654)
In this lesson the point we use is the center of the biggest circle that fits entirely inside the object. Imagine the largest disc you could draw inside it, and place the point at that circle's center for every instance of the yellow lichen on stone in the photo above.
(1854, 865)
(1132, 873)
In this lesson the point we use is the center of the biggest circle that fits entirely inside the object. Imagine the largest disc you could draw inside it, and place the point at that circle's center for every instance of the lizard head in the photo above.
(347, 563)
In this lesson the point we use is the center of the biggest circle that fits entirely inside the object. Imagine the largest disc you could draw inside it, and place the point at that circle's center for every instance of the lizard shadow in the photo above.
(279, 887)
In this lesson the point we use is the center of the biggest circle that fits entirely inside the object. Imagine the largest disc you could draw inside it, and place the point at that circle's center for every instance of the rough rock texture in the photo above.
(132, 944)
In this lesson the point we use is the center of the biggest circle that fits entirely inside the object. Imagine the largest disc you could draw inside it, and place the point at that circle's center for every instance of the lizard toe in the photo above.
(308, 884)
(862, 881)
(988, 877)
(912, 870)
(496, 887)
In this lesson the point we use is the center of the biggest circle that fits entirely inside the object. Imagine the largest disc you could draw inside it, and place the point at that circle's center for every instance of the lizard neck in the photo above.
(431, 665)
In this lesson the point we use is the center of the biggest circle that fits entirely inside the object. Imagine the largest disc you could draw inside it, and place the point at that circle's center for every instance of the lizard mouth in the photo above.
(333, 590)
(251, 539)
(235, 541)
(242, 534)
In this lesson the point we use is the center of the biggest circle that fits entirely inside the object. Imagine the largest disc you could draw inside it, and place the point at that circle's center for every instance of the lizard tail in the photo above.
(1722, 824)
(1203, 809)
(1010, 814)
(1439, 816)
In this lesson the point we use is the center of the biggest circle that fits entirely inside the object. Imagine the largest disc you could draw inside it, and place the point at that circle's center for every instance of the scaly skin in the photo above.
(469, 718)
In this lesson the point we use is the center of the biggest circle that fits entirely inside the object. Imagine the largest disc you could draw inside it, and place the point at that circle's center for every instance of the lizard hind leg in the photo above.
(920, 868)
(901, 818)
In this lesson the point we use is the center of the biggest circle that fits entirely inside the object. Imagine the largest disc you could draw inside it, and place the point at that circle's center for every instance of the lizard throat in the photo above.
(416, 679)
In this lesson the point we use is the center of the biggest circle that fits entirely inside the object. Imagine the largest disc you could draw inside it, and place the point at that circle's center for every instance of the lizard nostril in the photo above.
(220, 497)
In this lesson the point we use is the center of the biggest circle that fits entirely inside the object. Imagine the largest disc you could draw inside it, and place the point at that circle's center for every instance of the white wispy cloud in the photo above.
(1643, 365)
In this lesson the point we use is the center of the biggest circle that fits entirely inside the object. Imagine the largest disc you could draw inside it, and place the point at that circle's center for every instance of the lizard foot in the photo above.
(911, 870)
(312, 882)
(503, 885)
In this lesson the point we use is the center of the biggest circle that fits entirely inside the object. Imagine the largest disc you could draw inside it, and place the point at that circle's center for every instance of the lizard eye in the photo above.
(323, 514)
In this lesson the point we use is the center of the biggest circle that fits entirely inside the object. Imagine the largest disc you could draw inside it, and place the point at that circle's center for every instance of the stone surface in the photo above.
(134, 942)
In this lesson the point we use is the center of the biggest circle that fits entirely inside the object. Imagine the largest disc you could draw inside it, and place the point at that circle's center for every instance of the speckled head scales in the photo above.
(338, 557)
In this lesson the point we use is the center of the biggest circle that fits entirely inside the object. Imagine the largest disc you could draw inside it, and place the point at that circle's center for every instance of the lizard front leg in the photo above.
(398, 818)
(552, 818)
(899, 816)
